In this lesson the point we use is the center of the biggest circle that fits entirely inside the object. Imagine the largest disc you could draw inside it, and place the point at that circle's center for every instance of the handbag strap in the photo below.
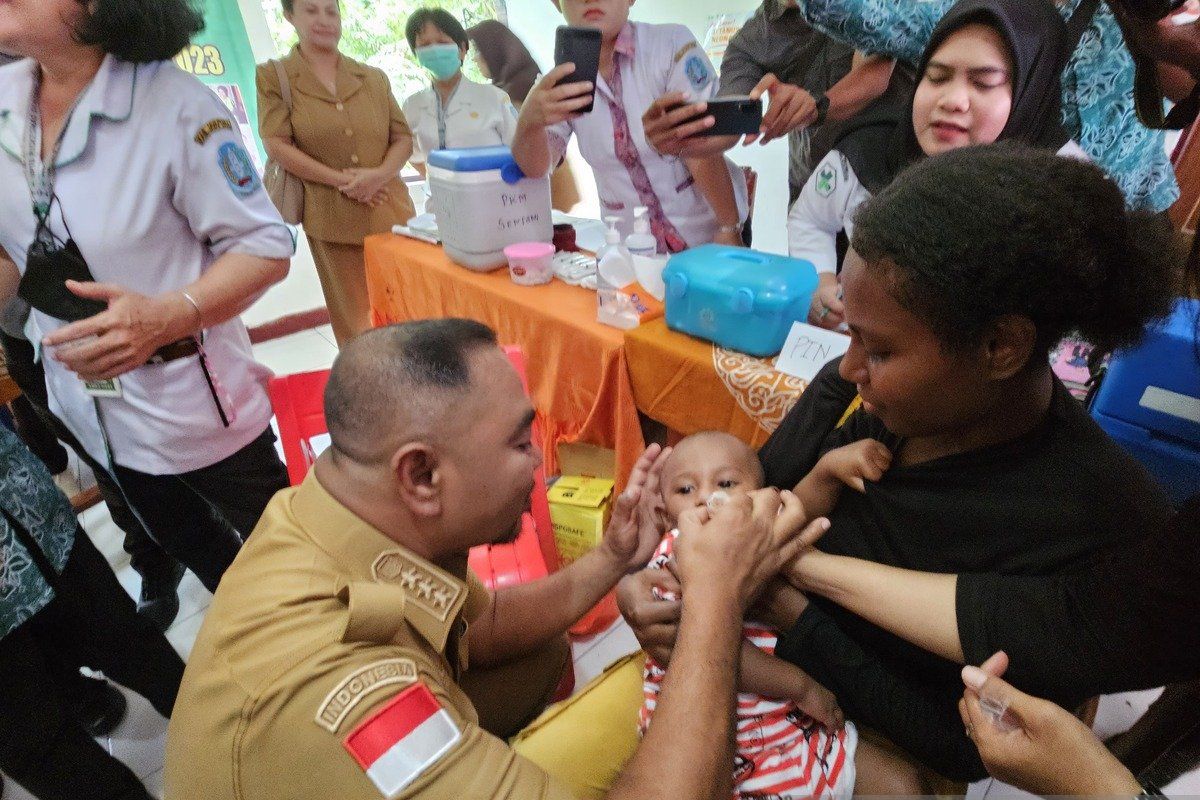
(1079, 23)
(285, 86)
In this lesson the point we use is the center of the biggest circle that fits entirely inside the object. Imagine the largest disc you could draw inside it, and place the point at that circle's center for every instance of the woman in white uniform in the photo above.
(140, 228)
(454, 111)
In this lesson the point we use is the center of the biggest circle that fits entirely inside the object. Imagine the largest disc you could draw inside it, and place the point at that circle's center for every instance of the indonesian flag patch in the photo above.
(403, 739)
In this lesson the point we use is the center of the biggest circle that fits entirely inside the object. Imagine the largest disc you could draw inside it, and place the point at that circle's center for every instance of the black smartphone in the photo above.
(581, 47)
(733, 116)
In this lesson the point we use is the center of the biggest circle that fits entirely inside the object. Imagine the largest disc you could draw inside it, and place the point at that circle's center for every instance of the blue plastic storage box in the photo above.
(1149, 401)
(738, 298)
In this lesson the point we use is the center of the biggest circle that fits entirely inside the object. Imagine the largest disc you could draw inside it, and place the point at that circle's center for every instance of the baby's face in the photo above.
(697, 469)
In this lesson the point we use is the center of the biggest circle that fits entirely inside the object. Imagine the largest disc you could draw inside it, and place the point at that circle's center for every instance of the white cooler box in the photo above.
(483, 203)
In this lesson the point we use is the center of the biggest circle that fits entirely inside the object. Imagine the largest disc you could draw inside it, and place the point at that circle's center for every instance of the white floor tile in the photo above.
(141, 739)
(182, 634)
(154, 784)
(1117, 712)
(14, 792)
(300, 352)
(193, 598)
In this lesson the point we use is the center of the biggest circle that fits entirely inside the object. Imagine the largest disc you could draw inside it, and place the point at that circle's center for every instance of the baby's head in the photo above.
(705, 463)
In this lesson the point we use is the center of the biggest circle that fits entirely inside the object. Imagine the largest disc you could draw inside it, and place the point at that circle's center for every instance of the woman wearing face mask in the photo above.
(454, 111)
(991, 72)
(344, 135)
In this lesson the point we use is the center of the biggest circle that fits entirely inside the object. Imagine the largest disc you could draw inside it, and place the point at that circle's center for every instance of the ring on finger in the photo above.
(824, 311)
(970, 730)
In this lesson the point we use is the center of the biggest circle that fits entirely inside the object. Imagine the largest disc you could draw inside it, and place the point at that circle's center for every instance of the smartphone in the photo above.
(733, 116)
(581, 47)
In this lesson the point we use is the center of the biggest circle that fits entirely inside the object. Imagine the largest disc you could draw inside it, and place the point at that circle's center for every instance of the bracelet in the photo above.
(735, 228)
(195, 305)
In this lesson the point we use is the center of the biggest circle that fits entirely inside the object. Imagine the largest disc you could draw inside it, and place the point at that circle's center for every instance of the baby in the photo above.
(791, 739)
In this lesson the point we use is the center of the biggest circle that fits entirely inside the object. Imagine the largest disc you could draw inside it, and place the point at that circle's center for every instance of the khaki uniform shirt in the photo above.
(319, 635)
(352, 128)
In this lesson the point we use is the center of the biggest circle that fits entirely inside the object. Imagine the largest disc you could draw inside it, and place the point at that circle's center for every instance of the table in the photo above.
(691, 385)
(576, 367)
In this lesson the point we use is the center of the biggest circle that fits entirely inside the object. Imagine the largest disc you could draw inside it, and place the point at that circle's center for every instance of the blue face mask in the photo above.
(442, 60)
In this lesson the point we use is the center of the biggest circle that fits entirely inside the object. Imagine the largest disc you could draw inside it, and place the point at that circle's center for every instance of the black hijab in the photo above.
(882, 141)
(513, 70)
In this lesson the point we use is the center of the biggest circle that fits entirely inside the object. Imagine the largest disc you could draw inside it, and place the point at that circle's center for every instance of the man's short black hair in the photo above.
(140, 31)
(439, 18)
(982, 232)
(408, 368)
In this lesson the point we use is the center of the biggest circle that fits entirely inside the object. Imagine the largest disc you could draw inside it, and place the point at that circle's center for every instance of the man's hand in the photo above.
(1038, 746)
(856, 463)
(122, 337)
(791, 108)
(672, 126)
(744, 543)
(632, 534)
(548, 103)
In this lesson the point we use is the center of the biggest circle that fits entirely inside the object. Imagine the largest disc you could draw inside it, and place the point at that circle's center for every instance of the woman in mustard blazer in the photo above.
(347, 139)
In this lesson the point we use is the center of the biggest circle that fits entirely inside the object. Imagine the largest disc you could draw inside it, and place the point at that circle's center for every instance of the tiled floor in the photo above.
(140, 739)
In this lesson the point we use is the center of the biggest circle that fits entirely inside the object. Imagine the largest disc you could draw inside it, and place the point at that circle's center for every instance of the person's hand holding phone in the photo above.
(551, 102)
(790, 108)
(674, 126)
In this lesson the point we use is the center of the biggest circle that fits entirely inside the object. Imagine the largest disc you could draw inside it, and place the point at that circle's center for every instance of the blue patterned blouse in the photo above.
(28, 493)
(1097, 85)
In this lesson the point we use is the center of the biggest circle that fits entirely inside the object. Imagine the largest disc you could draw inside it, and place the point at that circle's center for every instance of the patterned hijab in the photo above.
(884, 142)
(512, 68)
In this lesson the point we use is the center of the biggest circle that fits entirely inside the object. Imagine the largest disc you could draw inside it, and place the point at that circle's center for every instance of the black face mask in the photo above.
(50, 263)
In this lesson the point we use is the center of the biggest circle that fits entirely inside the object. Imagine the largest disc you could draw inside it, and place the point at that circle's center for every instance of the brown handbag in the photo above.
(285, 189)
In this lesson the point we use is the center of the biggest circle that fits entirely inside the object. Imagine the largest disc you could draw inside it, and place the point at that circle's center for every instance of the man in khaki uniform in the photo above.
(329, 664)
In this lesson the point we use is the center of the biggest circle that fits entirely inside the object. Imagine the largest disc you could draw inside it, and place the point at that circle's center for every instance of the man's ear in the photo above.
(416, 471)
(1008, 345)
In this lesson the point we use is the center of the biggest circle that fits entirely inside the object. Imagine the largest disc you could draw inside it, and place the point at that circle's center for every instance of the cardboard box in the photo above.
(579, 510)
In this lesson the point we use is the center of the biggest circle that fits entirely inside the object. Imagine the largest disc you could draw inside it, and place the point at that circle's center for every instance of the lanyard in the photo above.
(39, 175)
(442, 109)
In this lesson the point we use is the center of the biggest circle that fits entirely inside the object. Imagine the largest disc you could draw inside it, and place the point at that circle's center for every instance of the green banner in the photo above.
(221, 57)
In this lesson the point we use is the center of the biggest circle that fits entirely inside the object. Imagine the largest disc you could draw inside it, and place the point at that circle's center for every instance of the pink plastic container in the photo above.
(530, 263)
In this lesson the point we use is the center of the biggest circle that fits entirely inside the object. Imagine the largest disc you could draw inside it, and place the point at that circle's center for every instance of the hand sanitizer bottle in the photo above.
(641, 242)
(614, 270)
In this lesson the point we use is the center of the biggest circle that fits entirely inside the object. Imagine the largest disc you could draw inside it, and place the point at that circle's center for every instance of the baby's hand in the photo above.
(856, 463)
(819, 703)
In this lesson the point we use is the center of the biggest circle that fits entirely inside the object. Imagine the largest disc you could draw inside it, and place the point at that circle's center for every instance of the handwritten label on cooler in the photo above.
(809, 348)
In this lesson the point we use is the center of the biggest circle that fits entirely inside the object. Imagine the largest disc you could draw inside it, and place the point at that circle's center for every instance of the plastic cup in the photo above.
(530, 263)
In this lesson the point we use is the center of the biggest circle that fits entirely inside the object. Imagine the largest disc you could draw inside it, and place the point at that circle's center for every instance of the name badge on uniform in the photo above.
(105, 388)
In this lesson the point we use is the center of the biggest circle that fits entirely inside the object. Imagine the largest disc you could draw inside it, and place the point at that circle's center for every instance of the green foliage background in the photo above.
(373, 32)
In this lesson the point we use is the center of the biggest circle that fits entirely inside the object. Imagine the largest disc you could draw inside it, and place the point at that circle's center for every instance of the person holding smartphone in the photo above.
(691, 201)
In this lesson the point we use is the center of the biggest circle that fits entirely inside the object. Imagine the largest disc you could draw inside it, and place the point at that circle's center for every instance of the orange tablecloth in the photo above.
(575, 365)
(691, 385)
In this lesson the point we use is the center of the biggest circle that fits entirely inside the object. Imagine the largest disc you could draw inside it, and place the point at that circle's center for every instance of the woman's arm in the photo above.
(712, 179)
(917, 606)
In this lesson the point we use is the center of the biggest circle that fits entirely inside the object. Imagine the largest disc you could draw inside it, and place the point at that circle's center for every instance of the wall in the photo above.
(300, 291)
(535, 21)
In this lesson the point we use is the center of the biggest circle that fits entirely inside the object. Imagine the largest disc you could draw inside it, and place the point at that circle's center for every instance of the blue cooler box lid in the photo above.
(774, 280)
(1156, 385)
(472, 159)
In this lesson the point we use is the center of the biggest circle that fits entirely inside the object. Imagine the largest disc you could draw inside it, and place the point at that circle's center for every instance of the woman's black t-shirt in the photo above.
(1039, 504)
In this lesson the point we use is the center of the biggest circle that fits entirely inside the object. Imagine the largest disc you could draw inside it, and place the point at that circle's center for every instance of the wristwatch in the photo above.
(822, 108)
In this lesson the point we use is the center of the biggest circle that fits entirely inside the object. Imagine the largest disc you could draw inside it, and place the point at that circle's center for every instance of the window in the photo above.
(373, 32)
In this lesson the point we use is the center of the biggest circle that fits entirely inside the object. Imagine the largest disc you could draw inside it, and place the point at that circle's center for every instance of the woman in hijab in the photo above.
(505, 60)
(991, 72)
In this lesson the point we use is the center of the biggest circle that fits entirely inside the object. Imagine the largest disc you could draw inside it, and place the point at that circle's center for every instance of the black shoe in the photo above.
(159, 601)
(103, 712)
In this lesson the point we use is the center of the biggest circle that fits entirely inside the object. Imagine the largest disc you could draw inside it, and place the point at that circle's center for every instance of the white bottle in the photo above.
(641, 242)
(614, 270)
